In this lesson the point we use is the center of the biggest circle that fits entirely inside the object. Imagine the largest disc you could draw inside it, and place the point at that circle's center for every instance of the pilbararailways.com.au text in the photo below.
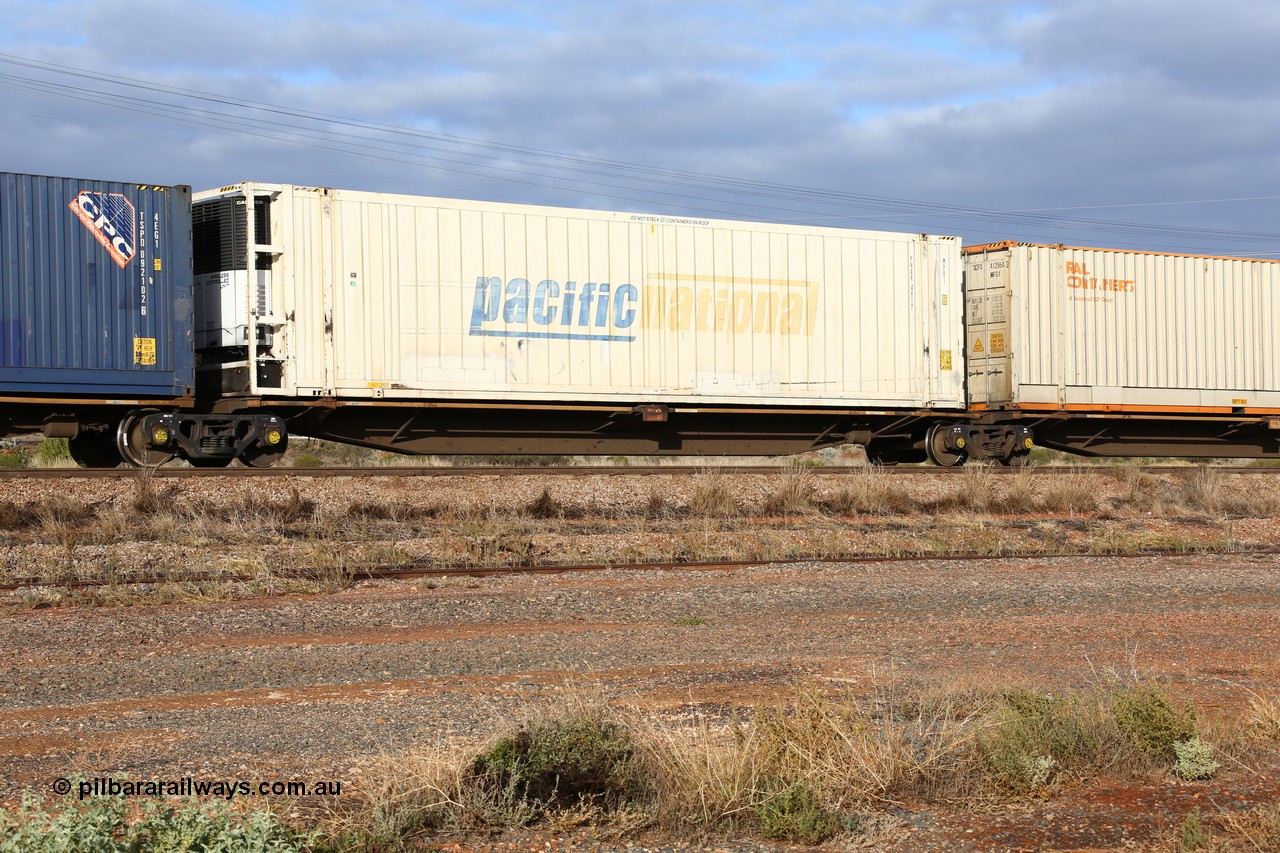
(186, 786)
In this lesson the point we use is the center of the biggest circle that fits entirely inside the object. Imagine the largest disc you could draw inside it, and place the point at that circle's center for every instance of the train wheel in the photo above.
(269, 452)
(936, 447)
(131, 440)
(1020, 457)
(94, 450)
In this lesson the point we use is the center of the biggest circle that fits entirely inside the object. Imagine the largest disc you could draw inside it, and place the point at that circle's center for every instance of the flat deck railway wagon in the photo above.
(142, 323)
(426, 325)
(96, 321)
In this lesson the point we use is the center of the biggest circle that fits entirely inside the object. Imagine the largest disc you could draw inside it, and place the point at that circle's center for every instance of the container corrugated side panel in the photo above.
(441, 299)
(95, 288)
(1117, 330)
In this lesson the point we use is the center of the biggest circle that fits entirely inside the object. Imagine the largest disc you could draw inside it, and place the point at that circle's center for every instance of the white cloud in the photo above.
(993, 105)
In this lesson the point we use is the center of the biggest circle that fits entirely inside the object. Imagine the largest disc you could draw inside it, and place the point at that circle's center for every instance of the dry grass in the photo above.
(1143, 492)
(857, 754)
(1206, 491)
(871, 492)
(793, 495)
(1018, 493)
(1073, 494)
(710, 516)
(1254, 830)
(819, 764)
(546, 506)
(400, 512)
(705, 771)
(713, 496)
(976, 490)
(404, 796)
(1201, 492)
(1263, 720)
(657, 506)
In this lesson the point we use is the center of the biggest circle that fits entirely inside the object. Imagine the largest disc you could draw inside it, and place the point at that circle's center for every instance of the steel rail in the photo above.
(418, 571)
(581, 471)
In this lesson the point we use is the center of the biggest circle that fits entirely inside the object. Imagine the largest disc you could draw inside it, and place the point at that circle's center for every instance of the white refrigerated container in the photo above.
(376, 296)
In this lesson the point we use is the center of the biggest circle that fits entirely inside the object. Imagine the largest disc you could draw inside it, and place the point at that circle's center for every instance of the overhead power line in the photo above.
(613, 179)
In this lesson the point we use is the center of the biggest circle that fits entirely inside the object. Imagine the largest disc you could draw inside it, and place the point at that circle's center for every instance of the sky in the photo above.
(1146, 124)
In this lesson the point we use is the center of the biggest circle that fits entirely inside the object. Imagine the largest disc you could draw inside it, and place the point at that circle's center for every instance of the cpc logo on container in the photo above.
(110, 217)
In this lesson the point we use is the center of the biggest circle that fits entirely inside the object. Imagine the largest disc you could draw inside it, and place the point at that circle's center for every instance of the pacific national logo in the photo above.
(594, 311)
(111, 218)
(599, 311)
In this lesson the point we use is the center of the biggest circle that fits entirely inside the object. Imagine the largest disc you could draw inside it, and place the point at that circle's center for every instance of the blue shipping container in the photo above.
(95, 288)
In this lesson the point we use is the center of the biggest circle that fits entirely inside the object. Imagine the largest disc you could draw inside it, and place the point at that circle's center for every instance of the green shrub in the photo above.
(1037, 737)
(514, 461)
(52, 451)
(1150, 721)
(1192, 835)
(307, 460)
(199, 828)
(793, 813)
(1194, 759)
(108, 824)
(14, 458)
(557, 764)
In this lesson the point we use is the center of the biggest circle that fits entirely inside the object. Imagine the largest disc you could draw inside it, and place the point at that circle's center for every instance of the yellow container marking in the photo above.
(144, 350)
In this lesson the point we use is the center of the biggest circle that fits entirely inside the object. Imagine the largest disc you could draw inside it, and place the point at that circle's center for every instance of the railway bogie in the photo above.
(147, 433)
(951, 444)
(152, 438)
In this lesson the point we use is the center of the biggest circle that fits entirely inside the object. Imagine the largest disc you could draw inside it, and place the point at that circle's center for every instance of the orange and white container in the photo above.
(1061, 328)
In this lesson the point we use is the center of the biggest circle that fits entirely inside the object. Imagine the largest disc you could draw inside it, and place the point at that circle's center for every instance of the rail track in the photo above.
(420, 571)
(180, 473)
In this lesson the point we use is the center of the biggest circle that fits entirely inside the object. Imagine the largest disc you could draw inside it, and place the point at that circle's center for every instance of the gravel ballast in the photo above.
(322, 686)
